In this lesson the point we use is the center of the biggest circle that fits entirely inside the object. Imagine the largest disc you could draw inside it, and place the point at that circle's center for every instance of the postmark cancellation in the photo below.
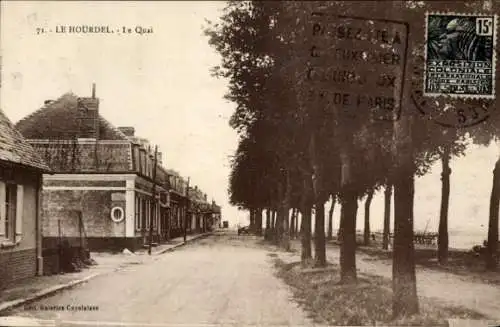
(460, 55)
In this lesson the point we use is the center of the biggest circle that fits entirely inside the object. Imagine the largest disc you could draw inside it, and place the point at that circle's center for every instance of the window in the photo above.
(143, 213)
(148, 213)
(152, 214)
(137, 213)
(11, 211)
(158, 217)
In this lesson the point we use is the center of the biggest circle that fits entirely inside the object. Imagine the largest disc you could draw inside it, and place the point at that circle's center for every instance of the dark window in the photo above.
(10, 211)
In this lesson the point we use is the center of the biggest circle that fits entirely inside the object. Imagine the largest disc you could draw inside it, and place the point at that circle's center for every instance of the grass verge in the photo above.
(460, 262)
(369, 302)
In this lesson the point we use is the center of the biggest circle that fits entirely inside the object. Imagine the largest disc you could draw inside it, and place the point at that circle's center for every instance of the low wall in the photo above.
(16, 265)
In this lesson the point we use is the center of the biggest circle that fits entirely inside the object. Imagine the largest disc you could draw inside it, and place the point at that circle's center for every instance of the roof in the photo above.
(173, 172)
(59, 120)
(14, 148)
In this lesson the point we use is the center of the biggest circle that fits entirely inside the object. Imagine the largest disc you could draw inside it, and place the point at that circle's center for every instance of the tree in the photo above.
(292, 222)
(387, 216)
(457, 121)
(367, 233)
(442, 144)
(313, 145)
(263, 114)
(305, 227)
(268, 224)
(485, 134)
(330, 218)
(492, 245)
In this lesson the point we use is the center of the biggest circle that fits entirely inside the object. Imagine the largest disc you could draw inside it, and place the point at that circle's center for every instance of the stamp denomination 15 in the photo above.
(460, 55)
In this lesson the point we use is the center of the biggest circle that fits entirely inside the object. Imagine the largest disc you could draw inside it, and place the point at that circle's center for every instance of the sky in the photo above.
(160, 83)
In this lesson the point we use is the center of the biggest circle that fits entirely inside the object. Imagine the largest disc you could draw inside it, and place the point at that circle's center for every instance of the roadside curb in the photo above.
(43, 293)
(175, 246)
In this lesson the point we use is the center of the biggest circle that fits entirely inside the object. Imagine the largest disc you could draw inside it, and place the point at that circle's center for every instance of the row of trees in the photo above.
(297, 150)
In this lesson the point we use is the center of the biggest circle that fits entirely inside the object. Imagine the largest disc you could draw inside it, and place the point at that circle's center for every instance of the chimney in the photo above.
(88, 112)
(127, 130)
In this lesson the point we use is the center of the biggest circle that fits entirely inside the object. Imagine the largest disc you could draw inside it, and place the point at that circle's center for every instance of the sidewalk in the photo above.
(172, 244)
(444, 287)
(30, 289)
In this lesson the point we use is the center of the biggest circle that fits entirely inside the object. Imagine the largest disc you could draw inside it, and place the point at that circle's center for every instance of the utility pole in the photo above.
(153, 204)
(187, 210)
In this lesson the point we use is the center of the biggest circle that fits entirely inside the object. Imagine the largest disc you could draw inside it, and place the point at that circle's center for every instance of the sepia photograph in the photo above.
(249, 163)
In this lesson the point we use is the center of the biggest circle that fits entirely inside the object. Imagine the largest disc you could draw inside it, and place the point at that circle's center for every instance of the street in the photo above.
(218, 280)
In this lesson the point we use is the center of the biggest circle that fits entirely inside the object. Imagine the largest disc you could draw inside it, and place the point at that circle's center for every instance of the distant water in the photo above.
(460, 240)
(465, 240)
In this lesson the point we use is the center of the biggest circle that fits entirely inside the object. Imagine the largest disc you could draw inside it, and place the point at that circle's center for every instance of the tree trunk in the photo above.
(443, 214)
(273, 219)
(404, 283)
(292, 223)
(319, 201)
(258, 221)
(305, 222)
(319, 235)
(367, 232)
(280, 216)
(297, 231)
(252, 220)
(387, 216)
(330, 219)
(285, 207)
(305, 228)
(341, 226)
(492, 246)
(345, 181)
(348, 213)
(268, 224)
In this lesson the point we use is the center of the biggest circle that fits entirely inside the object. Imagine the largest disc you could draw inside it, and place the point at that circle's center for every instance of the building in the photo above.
(178, 202)
(216, 220)
(102, 187)
(199, 211)
(21, 170)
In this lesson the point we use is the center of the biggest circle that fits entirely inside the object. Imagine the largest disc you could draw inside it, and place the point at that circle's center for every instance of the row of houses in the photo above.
(67, 173)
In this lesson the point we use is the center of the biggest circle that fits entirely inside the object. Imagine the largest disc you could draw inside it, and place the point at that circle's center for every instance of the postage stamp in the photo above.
(460, 55)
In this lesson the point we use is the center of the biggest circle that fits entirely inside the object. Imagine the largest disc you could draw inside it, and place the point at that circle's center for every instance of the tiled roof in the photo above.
(14, 148)
(59, 120)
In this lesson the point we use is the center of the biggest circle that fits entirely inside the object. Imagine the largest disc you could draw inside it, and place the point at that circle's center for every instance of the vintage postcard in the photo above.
(249, 163)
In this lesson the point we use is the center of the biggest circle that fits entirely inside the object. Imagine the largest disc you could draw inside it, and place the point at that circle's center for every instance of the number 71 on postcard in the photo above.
(460, 55)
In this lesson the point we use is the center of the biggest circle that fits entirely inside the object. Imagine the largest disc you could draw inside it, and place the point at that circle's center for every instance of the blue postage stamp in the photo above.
(460, 55)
